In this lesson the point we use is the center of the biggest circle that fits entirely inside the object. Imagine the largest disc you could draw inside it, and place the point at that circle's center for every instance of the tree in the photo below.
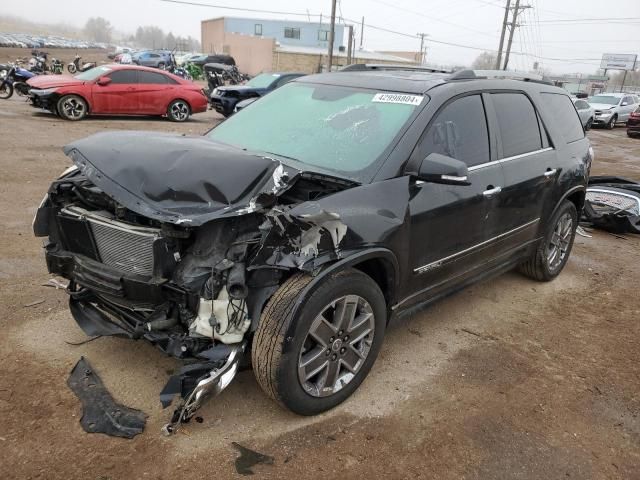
(98, 29)
(484, 61)
(170, 41)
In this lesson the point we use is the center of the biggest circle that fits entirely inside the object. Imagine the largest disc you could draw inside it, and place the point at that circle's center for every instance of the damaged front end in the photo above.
(613, 204)
(156, 250)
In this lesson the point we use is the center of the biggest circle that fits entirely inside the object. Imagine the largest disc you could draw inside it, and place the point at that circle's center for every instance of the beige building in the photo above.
(255, 53)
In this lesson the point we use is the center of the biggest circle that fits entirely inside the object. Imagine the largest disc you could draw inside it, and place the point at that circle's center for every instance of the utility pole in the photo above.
(332, 32)
(361, 32)
(512, 29)
(504, 29)
(349, 48)
(422, 35)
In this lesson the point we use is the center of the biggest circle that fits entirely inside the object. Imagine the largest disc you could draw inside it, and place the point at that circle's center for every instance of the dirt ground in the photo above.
(508, 379)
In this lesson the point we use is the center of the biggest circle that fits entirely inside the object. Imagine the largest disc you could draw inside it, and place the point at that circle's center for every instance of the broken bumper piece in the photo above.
(101, 414)
(198, 381)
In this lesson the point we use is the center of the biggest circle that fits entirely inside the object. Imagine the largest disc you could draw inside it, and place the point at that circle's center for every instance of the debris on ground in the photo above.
(100, 412)
(613, 204)
(55, 283)
(34, 303)
(248, 458)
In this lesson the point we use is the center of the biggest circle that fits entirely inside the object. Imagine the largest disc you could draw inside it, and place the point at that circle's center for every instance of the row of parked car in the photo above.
(607, 109)
(24, 40)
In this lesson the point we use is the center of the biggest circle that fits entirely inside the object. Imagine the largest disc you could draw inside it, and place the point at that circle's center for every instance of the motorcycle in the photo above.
(76, 66)
(16, 80)
(219, 74)
(38, 62)
(57, 66)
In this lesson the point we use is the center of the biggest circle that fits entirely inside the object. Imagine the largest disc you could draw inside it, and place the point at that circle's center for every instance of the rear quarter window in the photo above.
(567, 119)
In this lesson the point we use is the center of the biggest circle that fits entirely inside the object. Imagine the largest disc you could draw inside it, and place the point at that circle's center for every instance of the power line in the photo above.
(240, 9)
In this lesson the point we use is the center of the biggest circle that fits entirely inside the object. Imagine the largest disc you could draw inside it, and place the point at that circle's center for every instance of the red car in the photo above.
(118, 90)
(633, 123)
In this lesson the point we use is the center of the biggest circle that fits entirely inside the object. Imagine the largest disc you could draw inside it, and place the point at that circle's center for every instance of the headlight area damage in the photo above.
(181, 241)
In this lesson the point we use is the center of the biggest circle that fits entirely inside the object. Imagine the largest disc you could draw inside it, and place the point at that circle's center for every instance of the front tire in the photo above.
(178, 111)
(6, 91)
(553, 250)
(338, 334)
(612, 123)
(72, 68)
(589, 124)
(72, 107)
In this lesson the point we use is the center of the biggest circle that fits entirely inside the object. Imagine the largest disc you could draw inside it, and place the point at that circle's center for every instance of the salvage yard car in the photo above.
(611, 108)
(118, 90)
(295, 230)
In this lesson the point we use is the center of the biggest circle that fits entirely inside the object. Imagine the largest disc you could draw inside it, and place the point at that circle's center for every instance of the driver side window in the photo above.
(459, 131)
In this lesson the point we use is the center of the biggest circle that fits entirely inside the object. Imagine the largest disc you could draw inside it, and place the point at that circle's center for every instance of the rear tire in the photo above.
(589, 124)
(553, 250)
(178, 111)
(72, 107)
(307, 373)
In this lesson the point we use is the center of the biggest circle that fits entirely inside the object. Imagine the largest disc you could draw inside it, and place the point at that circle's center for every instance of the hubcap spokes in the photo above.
(73, 108)
(559, 242)
(180, 111)
(336, 346)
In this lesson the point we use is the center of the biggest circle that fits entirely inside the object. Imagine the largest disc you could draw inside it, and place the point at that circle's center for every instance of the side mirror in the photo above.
(624, 104)
(103, 81)
(437, 168)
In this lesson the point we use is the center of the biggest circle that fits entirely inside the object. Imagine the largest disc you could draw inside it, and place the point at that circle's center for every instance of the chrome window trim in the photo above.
(437, 263)
(514, 157)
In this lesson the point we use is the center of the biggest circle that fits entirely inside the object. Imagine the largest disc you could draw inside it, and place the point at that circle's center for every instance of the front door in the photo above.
(119, 96)
(452, 225)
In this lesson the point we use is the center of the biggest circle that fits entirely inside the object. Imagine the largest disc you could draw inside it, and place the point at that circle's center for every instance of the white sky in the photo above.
(551, 29)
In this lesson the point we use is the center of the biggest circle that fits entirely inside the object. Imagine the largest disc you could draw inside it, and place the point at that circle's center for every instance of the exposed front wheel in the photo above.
(178, 111)
(72, 107)
(612, 123)
(552, 252)
(6, 90)
(315, 361)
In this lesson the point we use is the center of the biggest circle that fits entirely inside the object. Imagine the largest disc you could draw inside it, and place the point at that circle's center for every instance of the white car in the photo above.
(586, 112)
(611, 108)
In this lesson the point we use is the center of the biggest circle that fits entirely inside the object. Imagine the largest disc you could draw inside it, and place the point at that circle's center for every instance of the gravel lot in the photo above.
(507, 379)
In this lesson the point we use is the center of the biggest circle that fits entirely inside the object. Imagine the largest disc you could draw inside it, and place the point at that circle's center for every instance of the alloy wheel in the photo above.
(336, 346)
(559, 241)
(180, 111)
(73, 108)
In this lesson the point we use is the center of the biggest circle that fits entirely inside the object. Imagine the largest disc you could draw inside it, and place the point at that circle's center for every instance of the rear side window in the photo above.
(518, 123)
(581, 105)
(459, 131)
(154, 78)
(567, 119)
(124, 76)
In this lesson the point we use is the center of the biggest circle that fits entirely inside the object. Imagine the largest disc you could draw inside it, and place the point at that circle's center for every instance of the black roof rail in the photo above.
(361, 67)
(504, 74)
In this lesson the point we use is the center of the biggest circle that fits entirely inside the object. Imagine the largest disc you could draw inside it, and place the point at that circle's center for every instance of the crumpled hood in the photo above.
(177, 179)
(51, 81)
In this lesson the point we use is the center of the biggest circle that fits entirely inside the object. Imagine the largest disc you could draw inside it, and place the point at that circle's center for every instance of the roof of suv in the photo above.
(413, 81)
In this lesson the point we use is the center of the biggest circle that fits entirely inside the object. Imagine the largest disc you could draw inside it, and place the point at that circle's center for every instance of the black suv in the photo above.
(296, 229)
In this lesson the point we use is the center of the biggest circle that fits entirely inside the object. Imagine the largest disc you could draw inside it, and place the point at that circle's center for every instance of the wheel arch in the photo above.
(575, 195)
(380, 264)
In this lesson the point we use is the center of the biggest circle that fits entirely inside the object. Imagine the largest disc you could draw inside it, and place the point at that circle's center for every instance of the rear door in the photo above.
(118, 97)
(530, 168)
(452, 225)
(155, 92)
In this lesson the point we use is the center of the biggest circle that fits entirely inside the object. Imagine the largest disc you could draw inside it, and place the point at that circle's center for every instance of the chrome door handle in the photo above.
(550, 173)
(491, 191)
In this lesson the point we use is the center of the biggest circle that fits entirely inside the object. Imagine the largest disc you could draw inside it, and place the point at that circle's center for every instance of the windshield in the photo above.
(335, 128)
(263, 80)
(93, 73)
(605, 99)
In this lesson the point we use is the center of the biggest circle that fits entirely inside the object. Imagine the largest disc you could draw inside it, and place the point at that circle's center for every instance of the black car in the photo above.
(223, 99)
(201, 60)
(295, 230)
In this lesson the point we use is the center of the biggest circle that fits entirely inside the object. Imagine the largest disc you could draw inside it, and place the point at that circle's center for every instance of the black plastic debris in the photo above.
(100, 413)
(248, 458)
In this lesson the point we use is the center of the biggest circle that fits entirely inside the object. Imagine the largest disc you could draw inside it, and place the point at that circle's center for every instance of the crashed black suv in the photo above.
(296, 229)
